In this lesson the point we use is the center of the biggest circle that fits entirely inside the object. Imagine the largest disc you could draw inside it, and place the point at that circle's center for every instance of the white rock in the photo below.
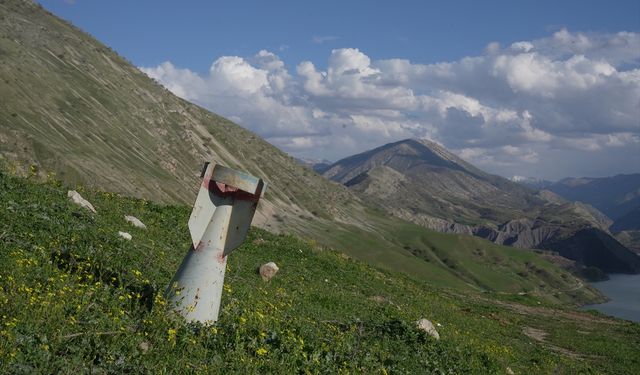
(77, 199)
(125, 235)
(509, 371)
(135, 221)
(268, 270)
(427, 326)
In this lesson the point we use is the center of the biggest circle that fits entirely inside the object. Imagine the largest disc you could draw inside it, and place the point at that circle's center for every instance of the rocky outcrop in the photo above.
(522, 233)
(590, 246)
(437, 224)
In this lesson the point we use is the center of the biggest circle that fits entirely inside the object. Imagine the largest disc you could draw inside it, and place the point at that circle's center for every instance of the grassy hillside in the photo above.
(461, 261)
(73, 106)
(74, 297)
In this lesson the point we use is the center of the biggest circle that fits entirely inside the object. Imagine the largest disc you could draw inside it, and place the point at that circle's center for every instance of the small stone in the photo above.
(144, 346)
(426, 326)
(125, 235)
(77, 199)
(135, 221)
(268, 270)
(509, 371)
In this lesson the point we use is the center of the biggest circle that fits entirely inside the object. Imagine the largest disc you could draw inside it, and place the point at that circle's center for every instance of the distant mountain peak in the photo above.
(427, 142)
(435, 172)
(421, 181)
(402, 156)
(418, 143)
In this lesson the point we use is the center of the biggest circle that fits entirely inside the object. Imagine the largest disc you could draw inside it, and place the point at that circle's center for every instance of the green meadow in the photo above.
(75, 297)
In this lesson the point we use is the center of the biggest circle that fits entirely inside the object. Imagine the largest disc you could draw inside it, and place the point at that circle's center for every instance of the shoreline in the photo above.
(623, 297)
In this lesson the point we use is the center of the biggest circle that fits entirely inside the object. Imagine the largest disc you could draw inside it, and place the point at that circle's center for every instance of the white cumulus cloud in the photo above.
(512, 110)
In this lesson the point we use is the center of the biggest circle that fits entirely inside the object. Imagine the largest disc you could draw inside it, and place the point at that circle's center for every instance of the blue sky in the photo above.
(500, 83)
(192, 34)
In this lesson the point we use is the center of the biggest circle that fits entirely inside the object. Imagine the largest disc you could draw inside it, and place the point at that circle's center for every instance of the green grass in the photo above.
(461, 262)
(74, 297)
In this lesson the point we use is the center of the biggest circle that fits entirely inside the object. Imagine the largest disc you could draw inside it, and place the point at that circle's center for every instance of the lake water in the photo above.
(624, 292)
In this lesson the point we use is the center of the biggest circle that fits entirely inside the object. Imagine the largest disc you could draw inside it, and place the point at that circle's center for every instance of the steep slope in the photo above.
(76, 297)
(420, 181)
(72, 106)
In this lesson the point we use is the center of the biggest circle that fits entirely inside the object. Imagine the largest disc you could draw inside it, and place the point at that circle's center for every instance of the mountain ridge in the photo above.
(617, 196)
(422, 182)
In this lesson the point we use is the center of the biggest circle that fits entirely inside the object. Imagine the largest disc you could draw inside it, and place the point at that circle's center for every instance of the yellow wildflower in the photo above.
(171, 335)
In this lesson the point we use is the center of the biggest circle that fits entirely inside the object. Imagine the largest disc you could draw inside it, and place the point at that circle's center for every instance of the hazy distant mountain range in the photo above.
(420, 181)
(618, 197)
(317, 165)
(615, 196)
